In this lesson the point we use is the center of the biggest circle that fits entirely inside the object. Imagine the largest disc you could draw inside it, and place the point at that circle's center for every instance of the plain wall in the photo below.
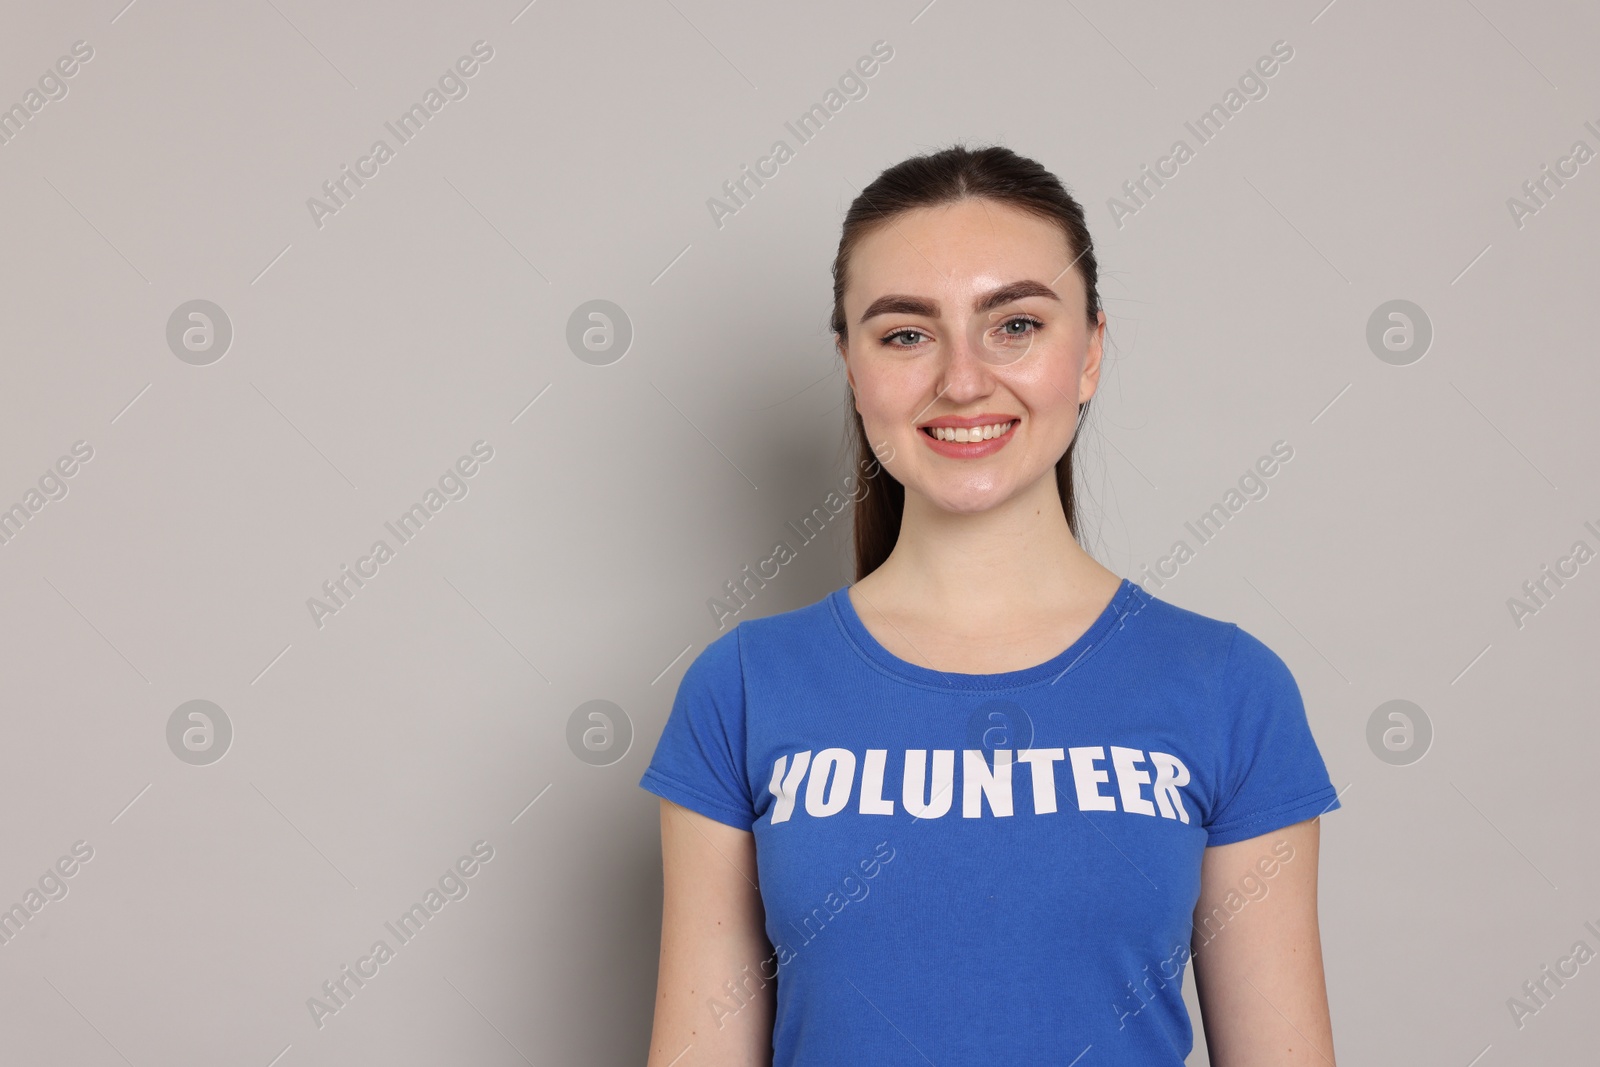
(372, 346)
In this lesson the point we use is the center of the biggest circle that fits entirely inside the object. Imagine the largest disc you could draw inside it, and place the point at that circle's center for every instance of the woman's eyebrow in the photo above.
(897, 304)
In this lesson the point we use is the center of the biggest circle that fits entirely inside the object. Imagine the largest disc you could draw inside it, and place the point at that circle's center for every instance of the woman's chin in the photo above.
(969, 499)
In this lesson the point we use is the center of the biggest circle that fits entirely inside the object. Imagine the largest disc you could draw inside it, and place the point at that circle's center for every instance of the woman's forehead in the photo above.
(953, 253)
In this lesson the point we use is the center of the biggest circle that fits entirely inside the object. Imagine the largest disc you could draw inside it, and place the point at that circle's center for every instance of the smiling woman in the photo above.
(1148, 751)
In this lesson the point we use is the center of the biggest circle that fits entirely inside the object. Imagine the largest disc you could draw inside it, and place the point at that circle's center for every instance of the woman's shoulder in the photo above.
(780, 629)
(1173, 620)
(1205, 639)
(807, 618)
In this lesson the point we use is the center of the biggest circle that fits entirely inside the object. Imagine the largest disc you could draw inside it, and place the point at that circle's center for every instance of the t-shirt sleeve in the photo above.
(699, 760)
(1273, 774)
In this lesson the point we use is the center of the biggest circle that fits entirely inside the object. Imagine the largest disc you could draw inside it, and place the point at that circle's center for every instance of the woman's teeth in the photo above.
(975, 433)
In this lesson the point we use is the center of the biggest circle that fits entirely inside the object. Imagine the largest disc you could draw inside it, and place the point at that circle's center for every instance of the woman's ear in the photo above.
(1089, 380)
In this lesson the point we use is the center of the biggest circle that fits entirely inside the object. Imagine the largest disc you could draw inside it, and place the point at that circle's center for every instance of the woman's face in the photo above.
(969, 314)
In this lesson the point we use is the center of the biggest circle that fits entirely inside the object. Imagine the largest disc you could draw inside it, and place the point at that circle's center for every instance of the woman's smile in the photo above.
(968, 438)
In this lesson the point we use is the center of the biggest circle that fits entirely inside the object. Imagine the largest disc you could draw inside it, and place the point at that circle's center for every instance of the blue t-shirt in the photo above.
(986, 868)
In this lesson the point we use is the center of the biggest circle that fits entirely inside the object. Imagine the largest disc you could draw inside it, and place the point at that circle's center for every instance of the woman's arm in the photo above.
(711, 935)
(1257, 953)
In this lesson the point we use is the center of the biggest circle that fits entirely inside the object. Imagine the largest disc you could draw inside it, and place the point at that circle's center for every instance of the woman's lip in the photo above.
(970, 449)
(953, 422)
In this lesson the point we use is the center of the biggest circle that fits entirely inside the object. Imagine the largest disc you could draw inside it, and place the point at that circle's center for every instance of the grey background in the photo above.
(431, 312)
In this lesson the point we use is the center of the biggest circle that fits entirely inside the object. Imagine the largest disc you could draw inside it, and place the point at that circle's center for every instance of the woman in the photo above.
(981, 806)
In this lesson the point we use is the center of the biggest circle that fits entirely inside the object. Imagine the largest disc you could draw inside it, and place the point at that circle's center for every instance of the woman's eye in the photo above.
(889, 339)
(1027, 323)
(1021, 326)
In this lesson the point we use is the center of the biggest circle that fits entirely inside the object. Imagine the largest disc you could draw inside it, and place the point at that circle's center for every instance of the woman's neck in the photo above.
(1019, 556)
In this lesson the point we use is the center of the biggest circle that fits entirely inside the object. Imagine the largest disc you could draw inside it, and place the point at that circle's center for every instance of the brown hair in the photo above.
(956, 173)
